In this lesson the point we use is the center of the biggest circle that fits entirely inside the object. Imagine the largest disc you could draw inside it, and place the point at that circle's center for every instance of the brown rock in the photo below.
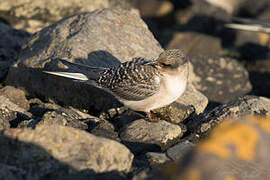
(58, 150)
(35, 15)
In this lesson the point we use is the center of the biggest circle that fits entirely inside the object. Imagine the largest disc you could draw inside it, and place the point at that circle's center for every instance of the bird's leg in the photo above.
(152, 118)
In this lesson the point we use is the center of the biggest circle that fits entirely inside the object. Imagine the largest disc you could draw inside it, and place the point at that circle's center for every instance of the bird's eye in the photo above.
(165, 65)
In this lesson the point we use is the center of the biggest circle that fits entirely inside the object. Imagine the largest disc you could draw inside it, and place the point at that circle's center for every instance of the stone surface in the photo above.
(11, 114)
(51, 150)
(105, 129)
(179, 151)
(63, 117)
(100, 38)
(142, 133)
(236, 149)
(16, 96)
(10, 44)
(193, 43)
(238, 108)
(219, 79)
(35, 15)
(157, 158)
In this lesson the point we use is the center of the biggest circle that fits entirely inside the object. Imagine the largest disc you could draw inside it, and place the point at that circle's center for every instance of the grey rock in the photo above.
(60, 150)
(99, 38)
(196, 43)
(241, 107)
(8, 172)
(143, 133)
(11, 114)
(16, 96)
(63, 117)
(178, 151)
(219, 79)
(24, 15)
(105, 129)
(10, 44)
(156, 159)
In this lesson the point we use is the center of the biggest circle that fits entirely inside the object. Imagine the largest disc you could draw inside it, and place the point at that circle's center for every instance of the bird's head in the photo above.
(172, 59)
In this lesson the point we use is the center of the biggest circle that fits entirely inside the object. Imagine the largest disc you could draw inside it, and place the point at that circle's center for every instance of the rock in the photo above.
(16, 96)
(193, 43)
(157, 158)
(10, 44)
(153, 8)
(11, 173)
(236, 149)
(63, 117)
(11, 114)
(179, 151)
(105, 129)
(58, 150)
(238, 108)
(219, 79)
(99, 38)
(141, 135)
(33, 16)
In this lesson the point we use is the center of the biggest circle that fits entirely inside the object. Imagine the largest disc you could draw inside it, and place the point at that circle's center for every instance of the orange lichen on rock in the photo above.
(241, 136)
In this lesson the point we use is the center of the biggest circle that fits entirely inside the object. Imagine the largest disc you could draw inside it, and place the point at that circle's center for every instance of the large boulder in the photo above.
(61, 151)
(101, 38)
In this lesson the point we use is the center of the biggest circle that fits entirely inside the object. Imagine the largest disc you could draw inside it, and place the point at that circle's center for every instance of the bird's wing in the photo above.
(133, 80)
(83, 72)
(250, 25)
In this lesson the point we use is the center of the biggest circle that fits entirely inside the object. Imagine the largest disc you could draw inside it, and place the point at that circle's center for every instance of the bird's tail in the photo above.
(83, 73)
(250, 25)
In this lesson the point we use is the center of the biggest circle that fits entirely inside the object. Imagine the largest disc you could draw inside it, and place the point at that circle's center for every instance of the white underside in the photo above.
(172, 87)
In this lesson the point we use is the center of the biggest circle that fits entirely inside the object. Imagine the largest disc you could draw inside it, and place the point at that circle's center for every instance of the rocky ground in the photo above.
(55, 128)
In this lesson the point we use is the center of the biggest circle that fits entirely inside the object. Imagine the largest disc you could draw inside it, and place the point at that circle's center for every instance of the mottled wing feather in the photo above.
(133, 80)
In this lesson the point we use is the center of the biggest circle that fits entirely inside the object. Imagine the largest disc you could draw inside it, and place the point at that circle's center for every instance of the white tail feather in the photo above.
(76, 76)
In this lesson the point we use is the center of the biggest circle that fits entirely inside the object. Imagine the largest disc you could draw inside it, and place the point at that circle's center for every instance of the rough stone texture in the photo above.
(63, 117)
(5, 103)
(100, 38)
(156, 158)
(194, 43)
(162, 134)
(105, 129)
(16, 96)
(63, 150)
(35, 15)
(10, 44)
(179, 151)
(236, 149)
(219, 79)
(238, 108)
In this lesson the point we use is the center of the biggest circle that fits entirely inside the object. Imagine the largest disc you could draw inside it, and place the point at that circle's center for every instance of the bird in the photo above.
(140, 84)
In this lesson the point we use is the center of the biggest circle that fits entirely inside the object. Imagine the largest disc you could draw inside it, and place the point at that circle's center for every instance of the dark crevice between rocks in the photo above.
(20, 117)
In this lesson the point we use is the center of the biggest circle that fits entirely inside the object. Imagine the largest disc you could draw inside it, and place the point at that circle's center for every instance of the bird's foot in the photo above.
(152, 118)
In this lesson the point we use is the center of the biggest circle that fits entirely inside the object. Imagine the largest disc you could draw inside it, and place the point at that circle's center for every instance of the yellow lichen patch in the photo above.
(230, 177)
(241, 136)
(193, 174)
(263, 122)
(264, 39)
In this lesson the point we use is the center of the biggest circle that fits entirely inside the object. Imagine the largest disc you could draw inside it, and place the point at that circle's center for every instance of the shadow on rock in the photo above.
(63, 90)
(24, 160)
